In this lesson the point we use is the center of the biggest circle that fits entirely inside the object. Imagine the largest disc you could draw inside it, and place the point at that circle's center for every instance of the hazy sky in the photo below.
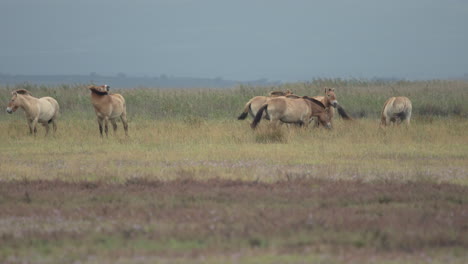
(237, 39)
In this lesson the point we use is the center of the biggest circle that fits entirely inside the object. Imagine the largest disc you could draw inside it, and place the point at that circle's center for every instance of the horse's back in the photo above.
(49, 108)
(399, 104)
(319, 98)
(52, 101)
(118, 105)
(118, 97)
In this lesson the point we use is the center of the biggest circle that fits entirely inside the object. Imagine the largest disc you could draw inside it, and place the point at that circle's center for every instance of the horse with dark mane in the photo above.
(108, 107)
(254, 104)
(395, 111)
(293, 111)
(42, 110)
(329, 100)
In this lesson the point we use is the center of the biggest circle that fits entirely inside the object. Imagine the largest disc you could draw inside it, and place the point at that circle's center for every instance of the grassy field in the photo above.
(194, 185)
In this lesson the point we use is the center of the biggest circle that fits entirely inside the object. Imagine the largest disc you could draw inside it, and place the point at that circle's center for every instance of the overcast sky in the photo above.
(239, 39)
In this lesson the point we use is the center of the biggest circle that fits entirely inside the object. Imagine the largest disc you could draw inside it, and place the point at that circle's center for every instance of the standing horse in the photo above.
(254, 104)
(108, 107)
(293, 111)
(329, 100)
(42, 110)
(395, 111)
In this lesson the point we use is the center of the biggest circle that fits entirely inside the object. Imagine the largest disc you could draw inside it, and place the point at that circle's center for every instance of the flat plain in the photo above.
(194, 185)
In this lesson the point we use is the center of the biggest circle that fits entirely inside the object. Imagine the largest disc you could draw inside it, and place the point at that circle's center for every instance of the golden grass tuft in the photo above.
(268, 134)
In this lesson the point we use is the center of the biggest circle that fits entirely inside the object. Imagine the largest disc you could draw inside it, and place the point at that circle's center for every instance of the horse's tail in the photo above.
(246, 111)
(343, 113)
(258, 117)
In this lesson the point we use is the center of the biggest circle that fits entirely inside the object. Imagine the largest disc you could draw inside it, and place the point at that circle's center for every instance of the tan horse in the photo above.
(108, 107)
(329, 100)
(395, 111)
(42, 110)
(293, 111)
(254, 104)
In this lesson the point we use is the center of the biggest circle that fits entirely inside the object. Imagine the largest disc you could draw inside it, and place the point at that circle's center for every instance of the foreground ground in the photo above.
(210, 191)
(212, 221)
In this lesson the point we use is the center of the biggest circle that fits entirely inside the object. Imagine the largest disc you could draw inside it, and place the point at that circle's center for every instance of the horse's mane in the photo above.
(314, 101)
(280, 93)
(22, 91)
(277, 93)
(95, 90)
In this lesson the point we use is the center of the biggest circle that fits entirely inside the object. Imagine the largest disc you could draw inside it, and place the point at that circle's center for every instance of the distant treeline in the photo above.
(360, 98)
(121, 80)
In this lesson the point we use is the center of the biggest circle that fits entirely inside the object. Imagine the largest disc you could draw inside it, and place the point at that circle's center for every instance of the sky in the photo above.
(286, 40)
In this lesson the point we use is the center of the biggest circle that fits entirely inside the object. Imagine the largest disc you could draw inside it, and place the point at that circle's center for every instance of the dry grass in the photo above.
(162, 150)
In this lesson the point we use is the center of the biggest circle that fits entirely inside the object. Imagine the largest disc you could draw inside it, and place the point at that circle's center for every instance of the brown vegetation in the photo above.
(187, 217)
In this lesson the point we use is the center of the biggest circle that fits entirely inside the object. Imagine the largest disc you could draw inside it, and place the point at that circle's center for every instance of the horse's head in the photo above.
(14, 101)
(331, 97)
(100, 90)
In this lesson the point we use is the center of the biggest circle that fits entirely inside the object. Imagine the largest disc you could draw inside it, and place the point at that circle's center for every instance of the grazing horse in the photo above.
(254, 104)
(330, 100)
(293, 111)
(395, 111)
(42, 110)
(108, 107)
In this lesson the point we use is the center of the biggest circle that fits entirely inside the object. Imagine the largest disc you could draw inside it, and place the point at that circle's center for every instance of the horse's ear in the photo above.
(14, 93)
(22, 91)
(332, 89)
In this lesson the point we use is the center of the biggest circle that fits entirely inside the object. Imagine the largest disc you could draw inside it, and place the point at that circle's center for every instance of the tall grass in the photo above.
(360, 98)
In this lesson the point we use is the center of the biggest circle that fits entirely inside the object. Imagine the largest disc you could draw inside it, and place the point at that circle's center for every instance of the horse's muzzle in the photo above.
(335, 104)
(9, 110)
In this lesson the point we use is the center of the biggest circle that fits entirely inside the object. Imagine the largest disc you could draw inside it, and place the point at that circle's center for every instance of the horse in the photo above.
(395, 111)
(108, 107)
(293, 111)
(42, 110)
(254, 104)
(329, 100)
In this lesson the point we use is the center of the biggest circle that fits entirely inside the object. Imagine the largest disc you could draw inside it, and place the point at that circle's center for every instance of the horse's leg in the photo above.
(388, 121)
(54, 125)
(114, 125)
(100, 122)
(123, 117)
(34, 126)
(31, 129)
(324, 121)
(46, 125)
(106, 126)
(407, 121)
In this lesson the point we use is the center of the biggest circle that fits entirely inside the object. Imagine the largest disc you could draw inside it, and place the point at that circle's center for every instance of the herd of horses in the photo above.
(279, 107)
